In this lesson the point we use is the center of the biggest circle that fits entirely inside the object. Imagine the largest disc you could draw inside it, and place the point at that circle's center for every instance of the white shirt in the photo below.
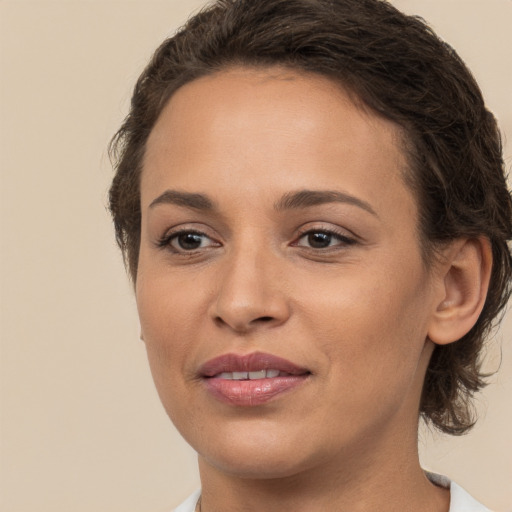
(460, 500)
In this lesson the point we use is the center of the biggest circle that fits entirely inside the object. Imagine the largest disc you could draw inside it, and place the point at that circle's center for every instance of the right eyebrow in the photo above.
(186, 199)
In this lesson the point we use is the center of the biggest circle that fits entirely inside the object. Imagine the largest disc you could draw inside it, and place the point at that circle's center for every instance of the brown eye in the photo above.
(185, 241)
(189, 241)
(323, 240)
(319, 240)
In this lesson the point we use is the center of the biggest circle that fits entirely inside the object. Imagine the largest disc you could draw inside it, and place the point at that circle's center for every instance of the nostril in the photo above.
(219, 320)
(245, 327)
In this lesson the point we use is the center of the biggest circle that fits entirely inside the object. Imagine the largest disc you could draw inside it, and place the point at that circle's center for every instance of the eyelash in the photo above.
(165, 242)
(342, 238)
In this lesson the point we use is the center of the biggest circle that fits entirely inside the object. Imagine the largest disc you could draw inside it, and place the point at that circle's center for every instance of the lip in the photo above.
(249, 363)
(255, 392)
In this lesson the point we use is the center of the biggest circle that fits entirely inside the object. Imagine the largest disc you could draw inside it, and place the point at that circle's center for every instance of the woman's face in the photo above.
(281, 291)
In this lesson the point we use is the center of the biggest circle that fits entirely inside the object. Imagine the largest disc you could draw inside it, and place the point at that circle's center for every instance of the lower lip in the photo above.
(252, 392)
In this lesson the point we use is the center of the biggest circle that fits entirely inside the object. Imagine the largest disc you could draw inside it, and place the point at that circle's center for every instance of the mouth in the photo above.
(258, 374)
(252, 379)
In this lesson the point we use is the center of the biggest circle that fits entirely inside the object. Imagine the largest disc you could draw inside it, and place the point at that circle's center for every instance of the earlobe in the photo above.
(464, 276)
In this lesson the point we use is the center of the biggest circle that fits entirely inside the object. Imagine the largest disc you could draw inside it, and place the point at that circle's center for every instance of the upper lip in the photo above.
(249, 363)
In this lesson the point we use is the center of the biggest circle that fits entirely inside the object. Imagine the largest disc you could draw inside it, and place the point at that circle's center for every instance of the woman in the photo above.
(311, 201)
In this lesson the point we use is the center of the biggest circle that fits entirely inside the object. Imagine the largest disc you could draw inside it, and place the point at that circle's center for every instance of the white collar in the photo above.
(460, 500)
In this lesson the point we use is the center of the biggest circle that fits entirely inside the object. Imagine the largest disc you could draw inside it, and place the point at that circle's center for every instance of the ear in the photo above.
(462, 279)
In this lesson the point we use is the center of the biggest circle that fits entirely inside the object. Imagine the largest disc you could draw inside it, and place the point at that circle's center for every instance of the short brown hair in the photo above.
(399, 68)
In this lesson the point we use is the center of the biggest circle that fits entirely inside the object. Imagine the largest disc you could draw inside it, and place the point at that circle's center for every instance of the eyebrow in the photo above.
(186, 199)
(289, 201)
(309, 198)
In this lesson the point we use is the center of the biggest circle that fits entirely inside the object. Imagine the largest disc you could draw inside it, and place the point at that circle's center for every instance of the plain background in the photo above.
(81, 425)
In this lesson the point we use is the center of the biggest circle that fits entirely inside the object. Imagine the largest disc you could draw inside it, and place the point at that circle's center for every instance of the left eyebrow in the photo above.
(308, 198)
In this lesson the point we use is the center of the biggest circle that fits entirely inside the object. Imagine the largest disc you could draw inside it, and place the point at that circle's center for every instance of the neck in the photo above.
(349, 481)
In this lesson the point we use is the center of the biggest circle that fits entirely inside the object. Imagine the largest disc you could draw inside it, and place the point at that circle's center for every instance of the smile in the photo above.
(251, 380)
(259, 374)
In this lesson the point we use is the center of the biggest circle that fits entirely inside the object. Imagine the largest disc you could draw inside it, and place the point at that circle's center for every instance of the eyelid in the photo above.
(343, 235)
(165, 241)
(343, 238)
(312, 227)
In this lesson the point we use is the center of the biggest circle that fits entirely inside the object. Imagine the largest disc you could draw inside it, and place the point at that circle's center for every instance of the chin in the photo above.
(257, 468)
(263, 456)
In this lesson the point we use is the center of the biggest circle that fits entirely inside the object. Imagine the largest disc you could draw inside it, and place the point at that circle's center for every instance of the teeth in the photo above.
(261, 374)
(258, 375)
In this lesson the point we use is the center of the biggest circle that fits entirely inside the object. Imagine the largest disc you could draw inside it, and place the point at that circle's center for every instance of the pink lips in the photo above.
(254, 391)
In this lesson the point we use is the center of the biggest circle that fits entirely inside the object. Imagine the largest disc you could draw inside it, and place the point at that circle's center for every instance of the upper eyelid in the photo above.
(188, 228)
(328, 232)
(344, 240)
(312, 227)
(308, 227)
(166, 239)
(174, 234)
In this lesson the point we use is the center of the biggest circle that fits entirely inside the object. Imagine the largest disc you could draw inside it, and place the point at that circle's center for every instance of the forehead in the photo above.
(271, 129)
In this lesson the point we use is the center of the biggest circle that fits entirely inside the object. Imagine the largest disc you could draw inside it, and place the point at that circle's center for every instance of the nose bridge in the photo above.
(250, 290)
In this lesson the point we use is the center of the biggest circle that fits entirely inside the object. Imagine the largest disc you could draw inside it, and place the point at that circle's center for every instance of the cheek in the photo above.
(370, 327)
(168, 305)
(166, 313)
(165, 318)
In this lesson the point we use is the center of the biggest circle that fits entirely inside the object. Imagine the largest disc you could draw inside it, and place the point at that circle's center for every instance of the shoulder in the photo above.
(189, 505)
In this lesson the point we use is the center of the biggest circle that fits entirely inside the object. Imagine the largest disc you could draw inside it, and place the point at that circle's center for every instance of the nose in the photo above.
(250, 292)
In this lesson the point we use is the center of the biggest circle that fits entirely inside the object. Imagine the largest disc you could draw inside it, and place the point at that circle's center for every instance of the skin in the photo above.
(357, 313)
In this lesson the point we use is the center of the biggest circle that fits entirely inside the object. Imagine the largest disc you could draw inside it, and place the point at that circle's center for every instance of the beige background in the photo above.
(81, 425)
